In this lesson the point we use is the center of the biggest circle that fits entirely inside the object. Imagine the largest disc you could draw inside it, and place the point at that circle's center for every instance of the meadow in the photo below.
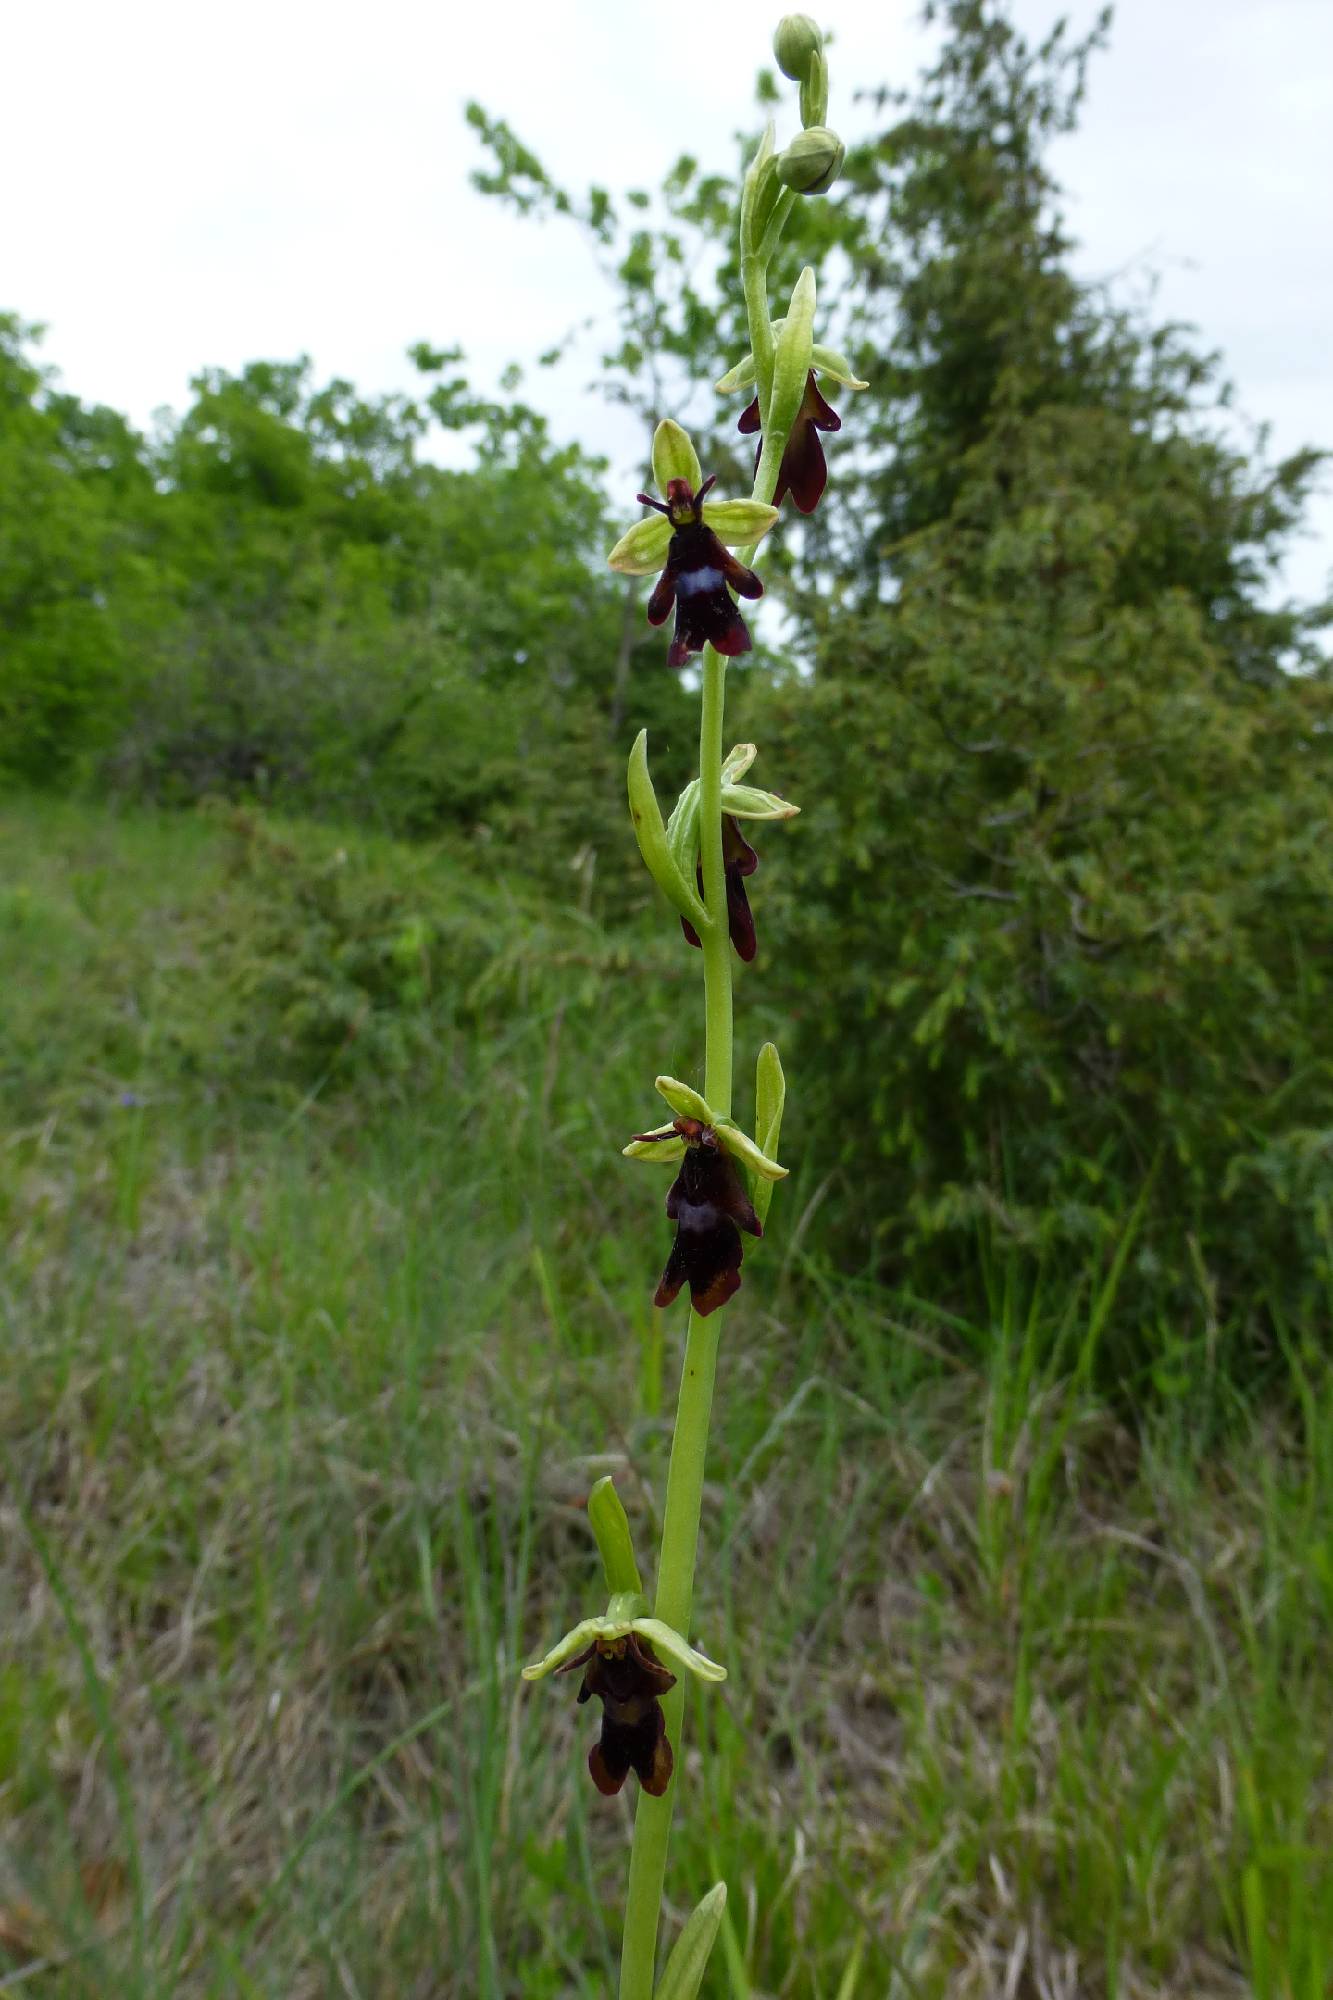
(325, 1299)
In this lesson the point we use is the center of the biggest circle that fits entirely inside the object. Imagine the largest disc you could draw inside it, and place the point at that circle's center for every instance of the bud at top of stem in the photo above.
(796, 41)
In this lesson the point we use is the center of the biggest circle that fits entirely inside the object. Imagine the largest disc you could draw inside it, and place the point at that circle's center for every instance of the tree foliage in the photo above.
(1054, 925)
(1058, 926)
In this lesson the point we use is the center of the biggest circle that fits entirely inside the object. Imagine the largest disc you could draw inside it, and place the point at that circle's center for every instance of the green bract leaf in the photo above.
(742, 1147)
(738, 522)
(649, 1147)
(642, 549)
(685, 1968)
(674, 457)
(770, 1094)
(828, 361)
(610, 1525)
(791, 361)
(683, 832)
(748, 802)
(814, 91)
(686, 1103)
(767, 147)
(650, 833)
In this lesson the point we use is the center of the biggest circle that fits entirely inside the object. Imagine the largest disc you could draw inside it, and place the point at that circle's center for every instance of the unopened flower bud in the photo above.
(812, 162)
(796, 41)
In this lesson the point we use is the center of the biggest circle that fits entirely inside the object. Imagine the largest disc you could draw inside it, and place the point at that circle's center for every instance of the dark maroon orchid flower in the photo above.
(709, 1206)
(738, 860)
(628, 1680)
(803, 472)
(698, 569)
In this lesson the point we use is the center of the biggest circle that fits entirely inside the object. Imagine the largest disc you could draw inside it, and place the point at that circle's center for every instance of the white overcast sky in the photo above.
(185, 184)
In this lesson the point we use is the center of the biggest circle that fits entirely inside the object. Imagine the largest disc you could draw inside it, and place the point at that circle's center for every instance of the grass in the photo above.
(324, 1301)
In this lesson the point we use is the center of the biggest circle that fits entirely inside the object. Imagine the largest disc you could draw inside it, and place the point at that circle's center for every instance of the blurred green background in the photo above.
(332, 986)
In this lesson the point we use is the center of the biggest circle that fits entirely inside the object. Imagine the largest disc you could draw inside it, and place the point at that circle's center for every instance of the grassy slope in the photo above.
(303, 1388)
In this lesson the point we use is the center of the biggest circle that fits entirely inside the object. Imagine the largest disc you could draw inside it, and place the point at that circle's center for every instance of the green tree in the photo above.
(74, 588)
(1065, 765)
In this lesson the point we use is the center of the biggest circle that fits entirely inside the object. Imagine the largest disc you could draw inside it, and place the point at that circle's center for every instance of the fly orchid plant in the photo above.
(634, 1657)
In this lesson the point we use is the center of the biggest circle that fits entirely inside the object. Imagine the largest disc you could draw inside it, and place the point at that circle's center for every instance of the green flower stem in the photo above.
(675, 1596)
(715, 940)
(689, 1442)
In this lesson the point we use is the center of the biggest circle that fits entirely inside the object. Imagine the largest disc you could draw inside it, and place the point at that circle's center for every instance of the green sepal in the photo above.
(742, 1147)
(610, 1525)
(738, 523)
(668, 1645)
(742, 376)
(674, 457)
(684, 1971)
(770, 1095)
(651, 835)
(748, 802)
(573, 1643)
(738, 761)
(668, 1151)
(685, 1102)
(642, 549)
(665, 1642)
(827, 361)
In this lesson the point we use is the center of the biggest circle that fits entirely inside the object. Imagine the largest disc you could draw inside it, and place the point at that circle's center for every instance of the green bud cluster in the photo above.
(813, 161)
